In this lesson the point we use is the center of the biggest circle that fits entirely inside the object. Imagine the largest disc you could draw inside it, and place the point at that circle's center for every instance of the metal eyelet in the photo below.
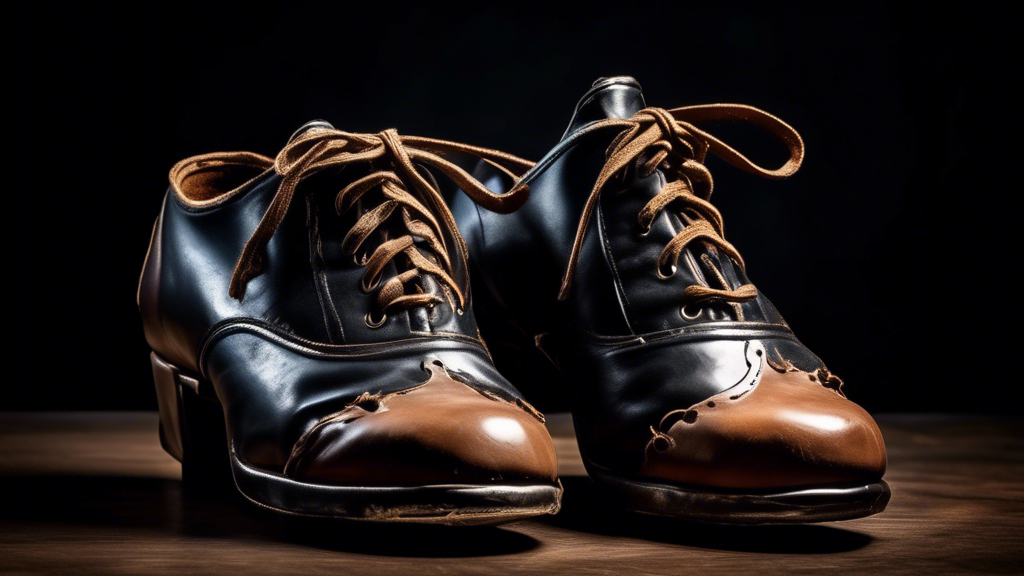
(373, 286)
(688, 312)
(371, 323)
(460, 311)
(644, 231)
(663, 276)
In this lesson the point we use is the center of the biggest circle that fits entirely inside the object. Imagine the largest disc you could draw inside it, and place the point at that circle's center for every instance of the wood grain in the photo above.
(94, 493)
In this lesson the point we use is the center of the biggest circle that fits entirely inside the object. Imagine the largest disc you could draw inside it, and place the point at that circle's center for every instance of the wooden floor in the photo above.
(94, 493)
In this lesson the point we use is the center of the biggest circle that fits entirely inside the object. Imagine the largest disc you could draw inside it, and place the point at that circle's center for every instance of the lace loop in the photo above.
(405, 190)
(669, 140)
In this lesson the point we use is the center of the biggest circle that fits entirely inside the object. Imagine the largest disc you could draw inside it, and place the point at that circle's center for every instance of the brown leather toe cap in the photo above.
(785, 428)
(440, 432)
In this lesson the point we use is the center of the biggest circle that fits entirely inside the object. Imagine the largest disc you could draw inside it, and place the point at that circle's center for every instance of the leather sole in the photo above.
(794, 506)
(192, 431)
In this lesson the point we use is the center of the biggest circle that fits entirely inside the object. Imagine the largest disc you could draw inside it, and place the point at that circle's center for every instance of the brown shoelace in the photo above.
(392, 158)
(668, 139)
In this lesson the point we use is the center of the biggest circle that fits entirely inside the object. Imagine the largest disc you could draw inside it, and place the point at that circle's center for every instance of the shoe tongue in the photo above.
(614, 97)
(309, 126)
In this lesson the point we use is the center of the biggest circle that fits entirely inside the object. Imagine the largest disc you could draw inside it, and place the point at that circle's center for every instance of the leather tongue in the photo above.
(309, 126)
(613, 97)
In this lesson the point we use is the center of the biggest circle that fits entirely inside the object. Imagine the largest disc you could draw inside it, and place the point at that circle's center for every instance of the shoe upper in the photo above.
(617, 269)
(299, 286)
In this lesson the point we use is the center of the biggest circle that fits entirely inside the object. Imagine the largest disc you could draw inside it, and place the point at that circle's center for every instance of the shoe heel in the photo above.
(191, 427)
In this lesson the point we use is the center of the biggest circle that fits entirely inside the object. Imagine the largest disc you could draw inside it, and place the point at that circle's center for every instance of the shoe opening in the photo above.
(210, 178)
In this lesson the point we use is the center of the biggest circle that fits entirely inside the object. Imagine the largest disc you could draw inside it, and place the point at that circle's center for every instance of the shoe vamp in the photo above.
(272, 392)
(621, 391)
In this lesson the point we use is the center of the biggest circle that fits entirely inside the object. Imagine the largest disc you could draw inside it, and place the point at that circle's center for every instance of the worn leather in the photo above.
(619, 390)
(297, 347)
(620, 343)
(782, 429)
(439, 431)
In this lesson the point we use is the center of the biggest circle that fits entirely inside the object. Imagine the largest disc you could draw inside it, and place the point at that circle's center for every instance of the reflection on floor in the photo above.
(94, 493)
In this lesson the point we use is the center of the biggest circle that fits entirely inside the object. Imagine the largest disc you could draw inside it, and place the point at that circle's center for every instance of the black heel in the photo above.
(192, 428)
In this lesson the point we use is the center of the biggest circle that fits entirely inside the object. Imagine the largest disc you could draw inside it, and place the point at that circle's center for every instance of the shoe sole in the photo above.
(192, 431)
(794, 506)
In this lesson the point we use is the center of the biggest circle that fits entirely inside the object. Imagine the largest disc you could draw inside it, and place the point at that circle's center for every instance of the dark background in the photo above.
(884, 252)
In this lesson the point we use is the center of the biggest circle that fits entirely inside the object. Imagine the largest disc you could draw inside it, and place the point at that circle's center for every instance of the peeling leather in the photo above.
(441, 431)
(786, 428)
(821, 375)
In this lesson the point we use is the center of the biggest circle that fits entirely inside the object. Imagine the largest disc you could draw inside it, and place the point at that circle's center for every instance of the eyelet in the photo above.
(370, 323)
(688, 313)
(644, 231)
(371, 287)
(663, 276)
(460, 311)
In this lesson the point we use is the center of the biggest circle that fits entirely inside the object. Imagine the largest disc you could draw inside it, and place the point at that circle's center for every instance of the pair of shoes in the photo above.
(314, 337)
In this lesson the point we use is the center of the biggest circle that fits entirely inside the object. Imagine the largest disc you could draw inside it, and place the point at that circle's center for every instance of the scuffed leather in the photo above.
(784, 429)
(274, 389)
(441, 431)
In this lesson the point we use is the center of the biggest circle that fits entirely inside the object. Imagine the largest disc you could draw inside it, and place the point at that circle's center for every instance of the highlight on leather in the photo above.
(669, 140)
(778, 427)
(393, 159)
(441, 431)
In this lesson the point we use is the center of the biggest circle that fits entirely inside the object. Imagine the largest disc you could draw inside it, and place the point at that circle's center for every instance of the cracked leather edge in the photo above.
(299, 449)
(820, 377)
(750, 380)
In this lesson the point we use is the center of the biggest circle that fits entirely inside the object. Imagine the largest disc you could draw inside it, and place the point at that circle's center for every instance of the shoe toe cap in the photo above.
(440, 432)
(789, 429)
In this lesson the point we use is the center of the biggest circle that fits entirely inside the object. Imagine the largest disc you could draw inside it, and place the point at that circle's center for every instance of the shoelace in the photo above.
(392, 158)
(669, 140)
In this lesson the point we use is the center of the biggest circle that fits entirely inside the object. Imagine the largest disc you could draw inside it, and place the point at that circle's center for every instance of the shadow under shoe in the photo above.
(591, 508)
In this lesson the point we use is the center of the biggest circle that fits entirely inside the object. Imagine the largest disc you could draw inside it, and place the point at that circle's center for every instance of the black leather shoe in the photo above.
(318, 305)
(690, 395)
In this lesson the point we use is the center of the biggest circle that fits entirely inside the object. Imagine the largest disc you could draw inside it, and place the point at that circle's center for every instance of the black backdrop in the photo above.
(879, 252)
